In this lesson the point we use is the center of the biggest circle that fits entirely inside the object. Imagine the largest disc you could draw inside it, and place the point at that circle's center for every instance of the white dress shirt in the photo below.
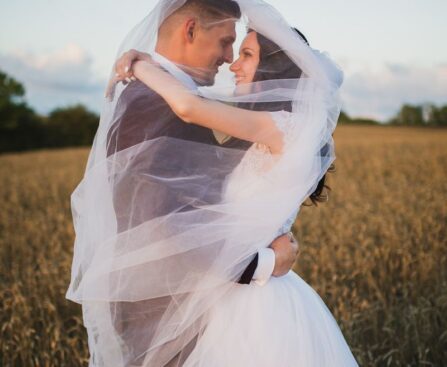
(266, 256)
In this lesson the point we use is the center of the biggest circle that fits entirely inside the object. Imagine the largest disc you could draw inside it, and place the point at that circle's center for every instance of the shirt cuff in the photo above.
(266, 264)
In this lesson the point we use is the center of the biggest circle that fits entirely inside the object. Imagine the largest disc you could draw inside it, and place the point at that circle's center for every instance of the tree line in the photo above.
(408, 115)
(21, 128)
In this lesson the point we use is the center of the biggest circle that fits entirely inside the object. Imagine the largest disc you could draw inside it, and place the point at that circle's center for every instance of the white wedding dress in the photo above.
(283, 323)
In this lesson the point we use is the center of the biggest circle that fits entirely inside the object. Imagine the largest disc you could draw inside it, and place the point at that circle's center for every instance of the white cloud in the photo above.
(66, 76)
(379, 92)
(56, 78)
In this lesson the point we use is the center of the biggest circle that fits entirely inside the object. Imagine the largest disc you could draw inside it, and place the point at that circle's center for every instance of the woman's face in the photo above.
(246, 65)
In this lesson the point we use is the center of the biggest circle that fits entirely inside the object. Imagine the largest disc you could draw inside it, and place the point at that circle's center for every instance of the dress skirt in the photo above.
(283, 323)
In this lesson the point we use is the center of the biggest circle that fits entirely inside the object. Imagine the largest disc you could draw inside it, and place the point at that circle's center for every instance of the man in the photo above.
(199, 36)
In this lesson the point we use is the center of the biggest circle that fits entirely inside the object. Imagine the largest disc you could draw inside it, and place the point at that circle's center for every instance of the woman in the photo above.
(285, 322)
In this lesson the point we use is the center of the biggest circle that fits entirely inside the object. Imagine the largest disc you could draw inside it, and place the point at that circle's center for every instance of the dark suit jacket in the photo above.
(141, 114)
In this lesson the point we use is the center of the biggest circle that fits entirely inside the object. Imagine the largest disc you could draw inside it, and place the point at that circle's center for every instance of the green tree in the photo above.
(10, 90)
(438, 116)
(20, 127)
(346, 119)
(71, 126)
(409, 115)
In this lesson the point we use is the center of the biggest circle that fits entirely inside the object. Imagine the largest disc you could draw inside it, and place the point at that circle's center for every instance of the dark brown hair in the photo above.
(275, 64)
(213, 9)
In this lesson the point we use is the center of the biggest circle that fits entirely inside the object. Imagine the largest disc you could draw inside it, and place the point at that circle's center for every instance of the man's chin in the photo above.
(206, 81)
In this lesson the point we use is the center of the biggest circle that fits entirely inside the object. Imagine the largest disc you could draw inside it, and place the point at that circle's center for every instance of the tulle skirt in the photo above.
(284, 323)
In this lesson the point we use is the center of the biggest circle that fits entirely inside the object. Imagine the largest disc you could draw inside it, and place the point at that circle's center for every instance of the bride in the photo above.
(285, 322)
(158, 287)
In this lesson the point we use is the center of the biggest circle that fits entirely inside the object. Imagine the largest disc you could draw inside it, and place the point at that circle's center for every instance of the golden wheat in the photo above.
(376, 252)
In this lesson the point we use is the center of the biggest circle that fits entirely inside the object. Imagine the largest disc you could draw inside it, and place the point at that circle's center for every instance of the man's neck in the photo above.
(168, 52)
(177, 72)
(172, 55)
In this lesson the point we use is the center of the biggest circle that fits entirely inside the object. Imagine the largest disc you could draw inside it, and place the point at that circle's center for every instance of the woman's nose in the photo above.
(229, 56)
(234, 66)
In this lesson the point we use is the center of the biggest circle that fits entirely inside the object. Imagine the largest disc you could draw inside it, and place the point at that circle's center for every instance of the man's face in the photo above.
(210, 48)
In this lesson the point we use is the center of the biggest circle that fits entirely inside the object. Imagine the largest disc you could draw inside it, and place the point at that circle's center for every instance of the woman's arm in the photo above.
(254, 126)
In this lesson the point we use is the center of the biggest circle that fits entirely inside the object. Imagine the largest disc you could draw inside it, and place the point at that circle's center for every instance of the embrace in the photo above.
(183, 249)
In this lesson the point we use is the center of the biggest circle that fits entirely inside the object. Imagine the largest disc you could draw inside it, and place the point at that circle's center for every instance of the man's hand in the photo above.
(286, 250)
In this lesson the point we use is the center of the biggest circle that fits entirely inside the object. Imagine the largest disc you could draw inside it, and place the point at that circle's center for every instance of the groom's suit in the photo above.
(135, 124)
(137, 119)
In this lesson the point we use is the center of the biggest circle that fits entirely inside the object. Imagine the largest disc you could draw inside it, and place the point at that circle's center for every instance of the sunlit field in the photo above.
(376, 252)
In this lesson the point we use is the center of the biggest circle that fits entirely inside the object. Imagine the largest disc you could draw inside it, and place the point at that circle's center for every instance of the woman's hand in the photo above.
(124, 69)
(123, 66)
(182, 101)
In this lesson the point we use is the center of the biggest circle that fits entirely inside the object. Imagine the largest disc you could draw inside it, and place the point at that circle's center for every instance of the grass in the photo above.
(376, 252)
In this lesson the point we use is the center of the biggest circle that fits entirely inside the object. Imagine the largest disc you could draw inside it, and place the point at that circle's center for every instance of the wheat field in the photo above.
(376, 252)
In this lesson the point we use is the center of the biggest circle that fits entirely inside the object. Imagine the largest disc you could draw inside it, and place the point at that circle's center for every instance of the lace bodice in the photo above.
(249, 176)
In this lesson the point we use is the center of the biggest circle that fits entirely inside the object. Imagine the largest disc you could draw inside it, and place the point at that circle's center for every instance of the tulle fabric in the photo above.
(283, 323)
(162, 233)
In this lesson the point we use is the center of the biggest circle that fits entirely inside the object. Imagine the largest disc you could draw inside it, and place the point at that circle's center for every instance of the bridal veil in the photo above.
(146, 272)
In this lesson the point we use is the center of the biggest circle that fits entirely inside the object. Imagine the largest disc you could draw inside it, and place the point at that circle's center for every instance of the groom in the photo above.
(183, 40)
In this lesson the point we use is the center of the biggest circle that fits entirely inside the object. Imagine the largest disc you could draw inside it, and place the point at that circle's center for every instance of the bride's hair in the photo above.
(275, 64)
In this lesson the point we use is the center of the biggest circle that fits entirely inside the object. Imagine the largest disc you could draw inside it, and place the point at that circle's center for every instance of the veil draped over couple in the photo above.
(192, 179)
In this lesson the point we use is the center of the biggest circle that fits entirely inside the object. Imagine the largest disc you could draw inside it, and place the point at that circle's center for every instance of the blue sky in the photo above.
(392, 52)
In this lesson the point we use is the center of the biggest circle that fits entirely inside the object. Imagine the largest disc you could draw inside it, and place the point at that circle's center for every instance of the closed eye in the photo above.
(227, 41)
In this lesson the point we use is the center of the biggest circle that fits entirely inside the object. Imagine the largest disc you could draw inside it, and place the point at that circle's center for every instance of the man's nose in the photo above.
(229, 56)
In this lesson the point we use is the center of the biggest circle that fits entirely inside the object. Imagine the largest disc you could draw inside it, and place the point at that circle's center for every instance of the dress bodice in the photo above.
(249, 178)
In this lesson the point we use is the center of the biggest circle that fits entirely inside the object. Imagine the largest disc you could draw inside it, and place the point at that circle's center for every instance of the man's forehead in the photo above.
(227, 30)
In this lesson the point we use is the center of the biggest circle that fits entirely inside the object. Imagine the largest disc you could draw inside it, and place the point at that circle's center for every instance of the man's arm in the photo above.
(248, 273)
(266, 266)
(275, 260)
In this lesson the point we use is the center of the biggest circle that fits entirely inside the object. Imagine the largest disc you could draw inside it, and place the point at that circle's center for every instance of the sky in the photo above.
(392, 52)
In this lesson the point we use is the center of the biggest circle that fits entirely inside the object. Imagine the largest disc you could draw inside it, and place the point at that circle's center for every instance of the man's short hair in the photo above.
(208, 12)
(211, 10)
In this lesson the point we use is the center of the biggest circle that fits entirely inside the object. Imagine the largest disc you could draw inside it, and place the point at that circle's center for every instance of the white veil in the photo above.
(158, 242)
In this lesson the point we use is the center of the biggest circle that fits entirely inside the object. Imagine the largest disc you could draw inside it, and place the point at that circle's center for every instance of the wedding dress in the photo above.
(283, 323)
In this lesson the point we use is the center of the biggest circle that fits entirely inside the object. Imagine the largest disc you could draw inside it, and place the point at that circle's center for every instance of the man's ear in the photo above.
(190, 30)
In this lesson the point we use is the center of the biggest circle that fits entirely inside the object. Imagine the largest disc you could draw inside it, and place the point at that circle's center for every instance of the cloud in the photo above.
(379, 92)
(66, 77)
(57, 78)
